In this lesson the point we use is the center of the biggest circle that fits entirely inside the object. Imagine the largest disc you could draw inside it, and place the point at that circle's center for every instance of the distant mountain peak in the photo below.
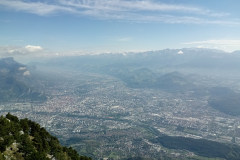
(14, 82)
(8, 60)
(9, 63)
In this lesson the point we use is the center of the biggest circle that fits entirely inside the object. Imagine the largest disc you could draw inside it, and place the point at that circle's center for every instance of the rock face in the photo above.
(13, 86)
(9, 63)
(26, 140)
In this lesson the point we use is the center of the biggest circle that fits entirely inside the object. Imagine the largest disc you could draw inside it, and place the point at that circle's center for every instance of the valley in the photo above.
(102, 116)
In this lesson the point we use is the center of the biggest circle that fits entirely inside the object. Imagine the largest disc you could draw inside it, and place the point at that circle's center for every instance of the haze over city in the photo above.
(120, 79)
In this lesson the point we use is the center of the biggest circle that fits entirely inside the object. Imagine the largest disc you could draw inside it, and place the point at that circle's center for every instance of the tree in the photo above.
(35, 142)
(35, 127)
(1, 156)
(25, 126)
(46, 146)
(37, 156)
(26, 147)
(12, 118)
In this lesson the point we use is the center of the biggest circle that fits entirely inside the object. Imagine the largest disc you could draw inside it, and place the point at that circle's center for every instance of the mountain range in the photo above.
(167, 58)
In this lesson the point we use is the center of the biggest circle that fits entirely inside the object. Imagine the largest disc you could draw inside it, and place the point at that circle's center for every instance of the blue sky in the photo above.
(73, 27)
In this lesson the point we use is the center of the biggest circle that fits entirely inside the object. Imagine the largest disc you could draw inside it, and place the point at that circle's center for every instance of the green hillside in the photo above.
(145, 78)
(26, 140)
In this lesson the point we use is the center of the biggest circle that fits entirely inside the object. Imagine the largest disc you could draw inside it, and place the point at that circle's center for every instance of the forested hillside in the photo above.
(26, 140)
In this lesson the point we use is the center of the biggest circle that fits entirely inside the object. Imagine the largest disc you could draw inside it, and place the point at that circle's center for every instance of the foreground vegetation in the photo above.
(26, 140)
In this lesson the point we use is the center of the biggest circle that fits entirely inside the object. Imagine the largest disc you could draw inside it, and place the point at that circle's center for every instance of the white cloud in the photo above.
(126, 39)
(33, 49)
(16, 50)
(228, 45)
(229, 42)
(137, 5)
(34, 7)
(137, 10)
(22, 68)
(26, 73)
(200, 46)
(123, 5)
(180, 52)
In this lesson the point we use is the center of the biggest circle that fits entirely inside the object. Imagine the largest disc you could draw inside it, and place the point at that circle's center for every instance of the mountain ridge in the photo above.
(12, 85)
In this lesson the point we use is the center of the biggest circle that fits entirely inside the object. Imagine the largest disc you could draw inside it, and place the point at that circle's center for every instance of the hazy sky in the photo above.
(68, 27)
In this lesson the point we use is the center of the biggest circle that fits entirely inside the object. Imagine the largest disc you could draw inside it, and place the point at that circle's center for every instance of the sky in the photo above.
(35, 28)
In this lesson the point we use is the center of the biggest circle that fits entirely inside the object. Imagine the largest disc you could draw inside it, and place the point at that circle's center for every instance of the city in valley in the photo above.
(119, 79)
(101, 117)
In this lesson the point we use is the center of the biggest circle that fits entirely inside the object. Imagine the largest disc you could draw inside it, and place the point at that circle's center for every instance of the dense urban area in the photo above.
(101, 117)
